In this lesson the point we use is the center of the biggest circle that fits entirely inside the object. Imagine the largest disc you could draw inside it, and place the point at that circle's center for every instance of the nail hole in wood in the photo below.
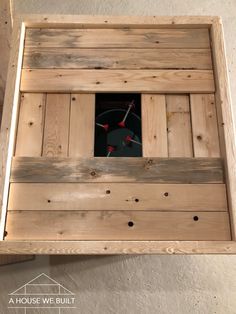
(73, 98)
(136, 200)
(93, 173)
(130, 223)
(195, 218)
(108, 192)
(5, 233)
(49, 201)
(199, 137)
(166, 194)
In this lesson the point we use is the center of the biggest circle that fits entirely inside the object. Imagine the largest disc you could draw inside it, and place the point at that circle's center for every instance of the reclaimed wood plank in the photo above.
(73, 58)
(117, 196)
(204, 126)
(130, 169)
(82, 121)
(56, 129)
(179, 126)
(117, 225)
(29, 139)
(154, 127)
(118, 38)
(72, 80)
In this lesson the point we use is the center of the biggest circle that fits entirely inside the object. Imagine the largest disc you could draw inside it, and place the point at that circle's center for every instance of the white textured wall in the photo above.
(139, 284)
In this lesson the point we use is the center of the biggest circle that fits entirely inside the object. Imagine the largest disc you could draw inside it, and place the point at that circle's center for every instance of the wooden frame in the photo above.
(225, 121)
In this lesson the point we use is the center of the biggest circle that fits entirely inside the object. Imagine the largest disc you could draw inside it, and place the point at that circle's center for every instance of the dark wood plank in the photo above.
(168, 170)
(163, 81)
(118, 38)
(73, 58)
(117, 225)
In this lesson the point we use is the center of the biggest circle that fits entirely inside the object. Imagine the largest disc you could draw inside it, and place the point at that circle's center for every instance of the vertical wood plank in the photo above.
(30, 127)
(5, 45)
(154, 128)
(204, 125)
(179, 126)
(56, 130)
(82, 120)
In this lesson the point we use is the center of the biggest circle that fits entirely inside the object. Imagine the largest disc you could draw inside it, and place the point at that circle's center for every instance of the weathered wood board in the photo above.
(178, 190)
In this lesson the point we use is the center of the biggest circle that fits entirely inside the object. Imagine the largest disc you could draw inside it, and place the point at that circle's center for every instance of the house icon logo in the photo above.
(42, 292)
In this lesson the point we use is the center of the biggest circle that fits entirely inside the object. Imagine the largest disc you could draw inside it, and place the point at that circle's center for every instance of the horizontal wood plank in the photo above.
(118, 247)
(116, 225)
(130, 169)
(118, 38)
(117, 196)
(164, 81)
(73, 58)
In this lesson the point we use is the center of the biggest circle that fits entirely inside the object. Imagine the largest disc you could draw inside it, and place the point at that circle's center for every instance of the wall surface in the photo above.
(137, 284)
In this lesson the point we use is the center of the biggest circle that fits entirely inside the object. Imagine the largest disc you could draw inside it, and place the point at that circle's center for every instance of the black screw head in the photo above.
(130, 223)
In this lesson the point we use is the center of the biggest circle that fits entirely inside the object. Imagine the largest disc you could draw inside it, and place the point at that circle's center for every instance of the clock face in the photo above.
(118, 133)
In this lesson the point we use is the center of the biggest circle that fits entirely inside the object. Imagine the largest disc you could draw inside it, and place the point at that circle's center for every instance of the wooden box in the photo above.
(177, 197)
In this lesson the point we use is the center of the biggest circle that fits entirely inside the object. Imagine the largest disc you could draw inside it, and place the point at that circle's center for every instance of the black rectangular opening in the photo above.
(118, 127)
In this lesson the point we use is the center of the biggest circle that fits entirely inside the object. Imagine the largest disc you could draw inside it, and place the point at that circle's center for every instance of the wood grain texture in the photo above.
(204, 126)
(179, 126)
(118, 247)
(82, 121)
(6, 42)
(154, 127)
(130, 169)
(164, 81)
(113, 225)
(225, 118)
(73, 58)
(108, 21)
(29, 139)
(118, 38)
(56, 129)
(117, 196)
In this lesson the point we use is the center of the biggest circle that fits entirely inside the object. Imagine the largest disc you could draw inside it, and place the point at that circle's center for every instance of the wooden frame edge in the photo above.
(9, 117)
(225, 117)
(117, 247)
(105, 21)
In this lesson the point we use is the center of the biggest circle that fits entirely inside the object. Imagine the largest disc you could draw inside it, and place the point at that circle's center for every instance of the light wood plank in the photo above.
(164, 81)
(154, 128)
(130, 169)
(118, 247)
(204, 126)
(29, 138)
(73, 58)
(82, 121)
(115, 225)
(107, 21)
(225, 118)
(179, 126)
(56, 130)
(10, 115)
(117, 196)
(5, 45)
(118, 38)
